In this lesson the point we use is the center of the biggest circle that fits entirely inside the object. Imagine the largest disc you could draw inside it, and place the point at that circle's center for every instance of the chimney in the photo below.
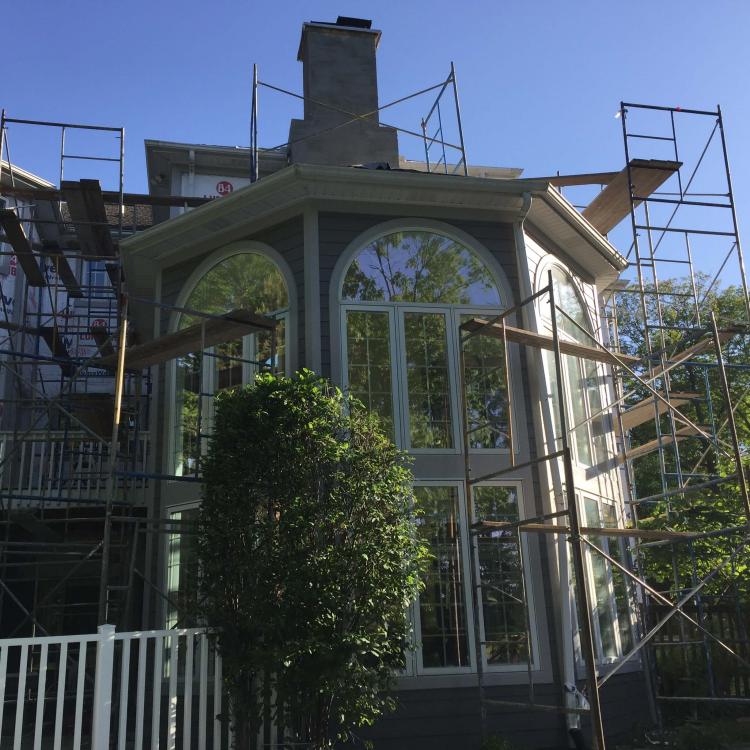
(339, 77)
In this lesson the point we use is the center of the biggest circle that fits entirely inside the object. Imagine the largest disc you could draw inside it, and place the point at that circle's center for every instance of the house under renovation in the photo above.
(473, 308)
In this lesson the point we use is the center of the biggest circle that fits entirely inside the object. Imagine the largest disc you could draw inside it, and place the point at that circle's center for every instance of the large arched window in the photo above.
(583, 376)
(248, 281)
(403, 298)
(590, 426)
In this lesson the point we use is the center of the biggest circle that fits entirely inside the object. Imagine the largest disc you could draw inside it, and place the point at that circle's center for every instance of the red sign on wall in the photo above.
(224, 187)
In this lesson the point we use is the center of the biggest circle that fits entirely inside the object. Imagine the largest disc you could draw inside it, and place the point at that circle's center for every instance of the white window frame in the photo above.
(399, 380)
(170, 414)
(605, 540)
(168, 513)
(414, 658)
(585, 487)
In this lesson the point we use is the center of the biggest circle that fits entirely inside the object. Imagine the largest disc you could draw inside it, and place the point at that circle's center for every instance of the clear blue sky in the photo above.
(539, 81)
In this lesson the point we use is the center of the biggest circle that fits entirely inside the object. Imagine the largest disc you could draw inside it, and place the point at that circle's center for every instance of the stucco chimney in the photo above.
(339, 77)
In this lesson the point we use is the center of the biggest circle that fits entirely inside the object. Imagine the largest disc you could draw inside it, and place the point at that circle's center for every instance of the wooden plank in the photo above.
(545, 528)
(18, 240)
(64, 271)
(612, 205)
(51, 337)
(643, 411)
(112, 197)
(589, 178)
(700, 347)
(541, 341)
(103, 341)
(86, 208)
(214, 331)
(652, 445)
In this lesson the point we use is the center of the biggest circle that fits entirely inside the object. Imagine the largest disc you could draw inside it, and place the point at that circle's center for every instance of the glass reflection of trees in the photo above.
(442, 604)
(401, 271)
(247, 281)
(419, 266)
(500, 574)
(583, 376)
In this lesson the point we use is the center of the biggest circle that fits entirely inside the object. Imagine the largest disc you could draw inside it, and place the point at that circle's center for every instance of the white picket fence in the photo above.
(143, 690)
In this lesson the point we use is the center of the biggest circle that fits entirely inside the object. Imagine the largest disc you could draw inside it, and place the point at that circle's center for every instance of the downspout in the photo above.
(567, 652)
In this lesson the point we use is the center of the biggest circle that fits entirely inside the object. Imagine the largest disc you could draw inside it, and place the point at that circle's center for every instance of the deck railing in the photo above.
(67, 466)
(136, 690)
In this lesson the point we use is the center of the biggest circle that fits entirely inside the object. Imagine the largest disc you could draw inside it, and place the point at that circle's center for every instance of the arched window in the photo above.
(583, 381)
(403, 297)
(247, 281)
(582, 376)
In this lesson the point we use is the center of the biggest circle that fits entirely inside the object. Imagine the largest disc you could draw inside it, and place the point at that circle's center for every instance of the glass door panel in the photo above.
(442, 604)
(369, 362)
(428, 380)
(503, 610)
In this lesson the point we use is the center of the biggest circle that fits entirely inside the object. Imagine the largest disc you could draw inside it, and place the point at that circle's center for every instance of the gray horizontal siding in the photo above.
(448, 719)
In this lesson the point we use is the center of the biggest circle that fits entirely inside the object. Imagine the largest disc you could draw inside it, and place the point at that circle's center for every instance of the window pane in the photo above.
(500, 575)
(418, 266)
(599, 424)
(442, 604)
(369, 363)
(553, 442)
(619, 580)
(245, 281)
(567, 299)
(187, 427)
(601, 571)
(486, 391)
(182, 569)
(576, 384)
(428, 383)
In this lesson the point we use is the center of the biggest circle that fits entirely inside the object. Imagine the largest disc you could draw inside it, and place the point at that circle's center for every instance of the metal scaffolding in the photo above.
(76, 468)
(432, 125)
(647, 391)
(77, 478)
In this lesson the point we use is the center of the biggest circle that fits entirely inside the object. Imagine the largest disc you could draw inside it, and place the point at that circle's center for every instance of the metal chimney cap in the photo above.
(343, 23)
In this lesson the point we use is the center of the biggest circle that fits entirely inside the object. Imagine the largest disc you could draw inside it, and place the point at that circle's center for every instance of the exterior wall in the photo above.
(287, 240)
(436, 711)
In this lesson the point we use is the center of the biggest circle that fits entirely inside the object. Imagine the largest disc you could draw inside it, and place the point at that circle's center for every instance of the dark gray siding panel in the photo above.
(448, 719)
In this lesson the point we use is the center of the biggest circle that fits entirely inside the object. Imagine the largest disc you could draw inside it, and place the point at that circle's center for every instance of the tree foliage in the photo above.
(309, 557)
(699, 459)
(419, 266)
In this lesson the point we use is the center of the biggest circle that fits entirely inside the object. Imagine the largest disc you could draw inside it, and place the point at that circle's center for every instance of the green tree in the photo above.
(309, 558)
(715, 507)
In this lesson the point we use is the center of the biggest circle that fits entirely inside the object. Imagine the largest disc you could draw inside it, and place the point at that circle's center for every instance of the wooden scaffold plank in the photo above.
(546, 528)
(541, 341)
(643, 411)
(213, 331)
(653, 445)
(612, 205)
(51, 336)
(64, 271)
(87, 213)
(103, 340)
(17, 239)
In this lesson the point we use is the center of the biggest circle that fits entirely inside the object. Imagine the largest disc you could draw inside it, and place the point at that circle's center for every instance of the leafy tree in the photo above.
(309, 558)
(716, 507)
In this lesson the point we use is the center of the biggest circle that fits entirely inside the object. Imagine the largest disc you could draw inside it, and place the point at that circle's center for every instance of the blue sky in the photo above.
(540, 82)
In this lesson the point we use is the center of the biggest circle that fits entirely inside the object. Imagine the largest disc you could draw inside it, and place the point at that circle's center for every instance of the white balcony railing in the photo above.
(68, 467)
(148, 689)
